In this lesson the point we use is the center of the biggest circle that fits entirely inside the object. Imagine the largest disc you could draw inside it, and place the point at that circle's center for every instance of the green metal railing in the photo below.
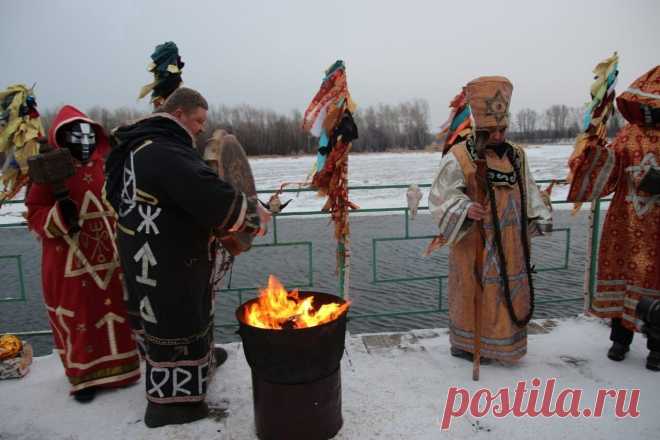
(21, 282)
(376, 277)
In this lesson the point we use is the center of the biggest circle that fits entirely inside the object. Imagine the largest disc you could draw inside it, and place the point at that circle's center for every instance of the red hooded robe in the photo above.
(81, 276)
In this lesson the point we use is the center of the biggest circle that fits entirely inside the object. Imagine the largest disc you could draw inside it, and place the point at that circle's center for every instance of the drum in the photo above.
(225, 154)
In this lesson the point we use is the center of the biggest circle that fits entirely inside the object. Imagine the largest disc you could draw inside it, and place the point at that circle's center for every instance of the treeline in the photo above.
(387, 127)
(556, 123)
(381, 128)
(403, 126)
(266, 132)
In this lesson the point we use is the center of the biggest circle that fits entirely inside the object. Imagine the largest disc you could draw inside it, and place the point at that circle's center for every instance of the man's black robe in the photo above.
(168, 201)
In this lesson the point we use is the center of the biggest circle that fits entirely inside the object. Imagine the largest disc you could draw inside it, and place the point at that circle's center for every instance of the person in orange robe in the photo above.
(488, 228)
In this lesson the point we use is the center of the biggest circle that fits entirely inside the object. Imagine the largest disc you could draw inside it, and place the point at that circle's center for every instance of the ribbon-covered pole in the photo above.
(329, 117)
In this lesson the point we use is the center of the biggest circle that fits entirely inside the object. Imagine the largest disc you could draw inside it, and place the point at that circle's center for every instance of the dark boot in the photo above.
(174, 413)
(457, 352)
(85, 395)
(621, 338)
(653, 361)
(220, 355)
(618, 351)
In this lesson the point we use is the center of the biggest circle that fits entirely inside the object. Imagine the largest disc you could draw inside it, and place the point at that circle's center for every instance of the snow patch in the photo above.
(395, 391)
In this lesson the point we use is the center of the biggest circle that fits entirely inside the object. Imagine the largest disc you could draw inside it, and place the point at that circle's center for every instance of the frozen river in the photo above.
(546, 162)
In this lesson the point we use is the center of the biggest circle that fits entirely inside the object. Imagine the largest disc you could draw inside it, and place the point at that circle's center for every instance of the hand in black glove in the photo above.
(69, 211)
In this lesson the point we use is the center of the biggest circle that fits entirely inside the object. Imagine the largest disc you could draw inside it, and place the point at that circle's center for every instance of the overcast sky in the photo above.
(272, 54)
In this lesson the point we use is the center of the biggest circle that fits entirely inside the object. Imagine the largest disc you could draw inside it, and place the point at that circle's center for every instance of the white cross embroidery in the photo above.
(148, 219)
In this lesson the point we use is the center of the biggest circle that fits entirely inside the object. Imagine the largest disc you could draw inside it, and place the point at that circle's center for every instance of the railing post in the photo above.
(275, 229)
(374, 260)
(405, 213)
(310, 267)
(21, 279)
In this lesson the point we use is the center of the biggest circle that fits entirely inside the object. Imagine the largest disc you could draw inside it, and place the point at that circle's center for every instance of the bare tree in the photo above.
(526, 120)
(556, 120)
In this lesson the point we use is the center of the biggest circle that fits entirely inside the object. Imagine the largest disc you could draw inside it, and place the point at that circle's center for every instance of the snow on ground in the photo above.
(394, 387)
(546, 162)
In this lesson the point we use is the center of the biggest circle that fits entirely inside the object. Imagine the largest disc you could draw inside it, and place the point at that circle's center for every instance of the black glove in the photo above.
(69, 212)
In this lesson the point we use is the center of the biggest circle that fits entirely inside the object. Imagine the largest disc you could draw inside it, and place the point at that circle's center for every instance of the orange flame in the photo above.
(276, 308)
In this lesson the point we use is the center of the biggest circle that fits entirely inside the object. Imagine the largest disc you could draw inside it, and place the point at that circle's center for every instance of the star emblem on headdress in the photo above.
(497, 107)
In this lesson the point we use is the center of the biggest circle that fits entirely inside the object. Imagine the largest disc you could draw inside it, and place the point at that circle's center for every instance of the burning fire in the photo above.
(276, 309)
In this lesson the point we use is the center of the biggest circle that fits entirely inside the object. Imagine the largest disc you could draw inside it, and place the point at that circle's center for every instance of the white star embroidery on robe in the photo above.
(94, 239)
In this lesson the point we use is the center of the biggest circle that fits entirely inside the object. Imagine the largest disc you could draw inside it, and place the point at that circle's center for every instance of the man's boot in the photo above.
(85, 395)
(621, 338)
(174, 413)
(220, 355)
(653, 361)
(618, 351)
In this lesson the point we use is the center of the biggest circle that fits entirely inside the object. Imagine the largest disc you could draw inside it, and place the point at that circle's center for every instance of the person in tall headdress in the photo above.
(487, 206)
(628, 167)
